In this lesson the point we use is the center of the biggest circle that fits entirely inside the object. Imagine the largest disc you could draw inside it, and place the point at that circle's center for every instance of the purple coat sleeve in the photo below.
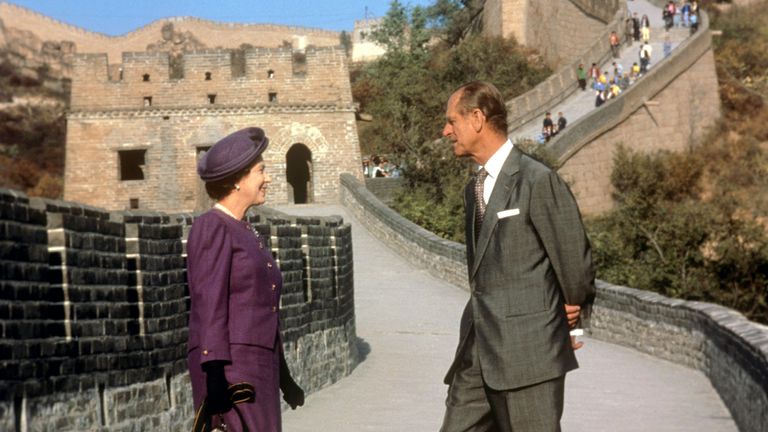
(209, 258)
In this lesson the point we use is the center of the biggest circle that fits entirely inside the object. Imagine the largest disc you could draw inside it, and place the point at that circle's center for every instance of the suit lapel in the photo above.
(469, 219)
(502, 190)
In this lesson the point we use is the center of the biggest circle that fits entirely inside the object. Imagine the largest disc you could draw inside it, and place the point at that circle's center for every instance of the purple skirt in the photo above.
(257, 366)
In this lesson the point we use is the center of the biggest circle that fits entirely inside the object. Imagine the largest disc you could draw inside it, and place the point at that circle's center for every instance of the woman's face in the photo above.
(254, 185)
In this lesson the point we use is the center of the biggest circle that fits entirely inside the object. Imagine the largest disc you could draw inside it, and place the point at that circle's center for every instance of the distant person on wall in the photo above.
(378, 169)
(613, 39)
(528, 259)
(686, 10)
(234, 289)
(694, 23)
(396, 172)
(646, 34)
(636, 26)
(594, 73)
(669, 15)
(646, 51)
(548, 127)
(600, 98)
(581, 75)
(366, 168)
(645, 22)
(561, 122)
(629, 31)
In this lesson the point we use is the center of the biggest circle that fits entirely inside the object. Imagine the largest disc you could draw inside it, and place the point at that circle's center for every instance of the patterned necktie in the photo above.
(479, 202)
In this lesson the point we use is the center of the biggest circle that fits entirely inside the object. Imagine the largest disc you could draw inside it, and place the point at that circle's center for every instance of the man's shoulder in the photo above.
(532, 167)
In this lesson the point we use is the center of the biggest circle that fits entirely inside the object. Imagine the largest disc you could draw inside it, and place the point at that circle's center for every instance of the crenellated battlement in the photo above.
(229, 77)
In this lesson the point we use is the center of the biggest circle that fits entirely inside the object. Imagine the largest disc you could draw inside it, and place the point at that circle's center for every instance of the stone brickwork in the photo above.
(730, 350)
(26, 32)
(440, 257)
(669, 109)
(312, 108)
(94, 305)
(560, 29)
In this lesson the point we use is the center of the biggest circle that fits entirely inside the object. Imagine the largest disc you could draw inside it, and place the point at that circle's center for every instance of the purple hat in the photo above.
(232, 153)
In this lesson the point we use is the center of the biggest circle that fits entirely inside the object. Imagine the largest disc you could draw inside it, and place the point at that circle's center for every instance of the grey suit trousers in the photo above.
(472, 406)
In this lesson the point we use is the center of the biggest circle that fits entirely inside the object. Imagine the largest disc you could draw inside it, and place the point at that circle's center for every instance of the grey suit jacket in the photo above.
(522, 269)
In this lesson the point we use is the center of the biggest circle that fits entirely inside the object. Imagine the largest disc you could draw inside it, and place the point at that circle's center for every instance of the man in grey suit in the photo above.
(528, 258)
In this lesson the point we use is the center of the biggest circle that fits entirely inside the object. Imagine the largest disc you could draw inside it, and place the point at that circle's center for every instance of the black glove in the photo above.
(217, 401)
(293, 395)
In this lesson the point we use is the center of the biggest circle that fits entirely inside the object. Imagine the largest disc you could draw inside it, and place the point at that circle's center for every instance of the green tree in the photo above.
(405, 93)
(666, 235)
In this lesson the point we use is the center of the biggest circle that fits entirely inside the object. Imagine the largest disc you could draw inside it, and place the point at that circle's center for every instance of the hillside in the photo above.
(32, 129)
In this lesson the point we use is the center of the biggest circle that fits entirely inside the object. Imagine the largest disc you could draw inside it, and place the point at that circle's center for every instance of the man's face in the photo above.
(458, 129)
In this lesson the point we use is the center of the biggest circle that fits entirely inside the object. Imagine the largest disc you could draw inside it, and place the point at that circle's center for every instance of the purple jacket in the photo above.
(234, 287)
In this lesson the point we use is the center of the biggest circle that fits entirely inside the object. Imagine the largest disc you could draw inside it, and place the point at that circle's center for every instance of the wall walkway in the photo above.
(720, 343)
(409, 320)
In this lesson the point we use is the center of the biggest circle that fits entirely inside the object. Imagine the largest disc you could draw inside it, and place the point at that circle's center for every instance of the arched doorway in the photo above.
(298, 172)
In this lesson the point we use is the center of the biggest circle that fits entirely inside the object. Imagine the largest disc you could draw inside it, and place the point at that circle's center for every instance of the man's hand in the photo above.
(573, 312)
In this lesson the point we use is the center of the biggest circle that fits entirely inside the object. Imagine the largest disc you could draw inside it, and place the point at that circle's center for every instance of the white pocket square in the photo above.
(507, 213)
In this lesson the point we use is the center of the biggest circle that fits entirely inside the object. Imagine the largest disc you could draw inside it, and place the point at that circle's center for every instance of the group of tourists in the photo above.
(550, 128)
(377, 166)
(685, 14)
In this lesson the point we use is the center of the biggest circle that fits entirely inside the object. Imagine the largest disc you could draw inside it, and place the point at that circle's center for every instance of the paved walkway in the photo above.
(581, 103)
(409, 322)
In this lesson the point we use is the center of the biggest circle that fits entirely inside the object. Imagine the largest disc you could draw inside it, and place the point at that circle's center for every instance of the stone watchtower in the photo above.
(136, 131)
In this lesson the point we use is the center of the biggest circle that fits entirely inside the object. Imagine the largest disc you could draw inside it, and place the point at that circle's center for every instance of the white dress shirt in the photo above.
(493, 166)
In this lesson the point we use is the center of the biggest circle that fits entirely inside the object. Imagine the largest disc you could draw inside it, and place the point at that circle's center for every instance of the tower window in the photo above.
(145, 77)
(272, 97)
(207, 76)
(270, 74)
(131, 164)
(133, 203)
(211, 99)
(147, 101)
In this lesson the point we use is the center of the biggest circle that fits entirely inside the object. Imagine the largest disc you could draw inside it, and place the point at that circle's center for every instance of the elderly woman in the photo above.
(234, 286)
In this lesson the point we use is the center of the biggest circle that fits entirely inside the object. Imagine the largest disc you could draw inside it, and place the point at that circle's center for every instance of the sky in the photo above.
(113, 17)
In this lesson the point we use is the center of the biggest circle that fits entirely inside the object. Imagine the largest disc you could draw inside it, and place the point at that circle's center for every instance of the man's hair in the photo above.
(487, 98)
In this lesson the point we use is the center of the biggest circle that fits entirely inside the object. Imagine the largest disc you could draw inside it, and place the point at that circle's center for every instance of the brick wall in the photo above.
(322, 78)
(313, 108)
(729, 349)
(93, 313)
(560, 29)
(385, 189)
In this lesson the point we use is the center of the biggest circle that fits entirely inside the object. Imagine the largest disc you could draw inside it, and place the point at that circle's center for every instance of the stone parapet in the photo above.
(385, 188)
(729, 349)
(722, 343)
(442, 258)
(94, 308)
